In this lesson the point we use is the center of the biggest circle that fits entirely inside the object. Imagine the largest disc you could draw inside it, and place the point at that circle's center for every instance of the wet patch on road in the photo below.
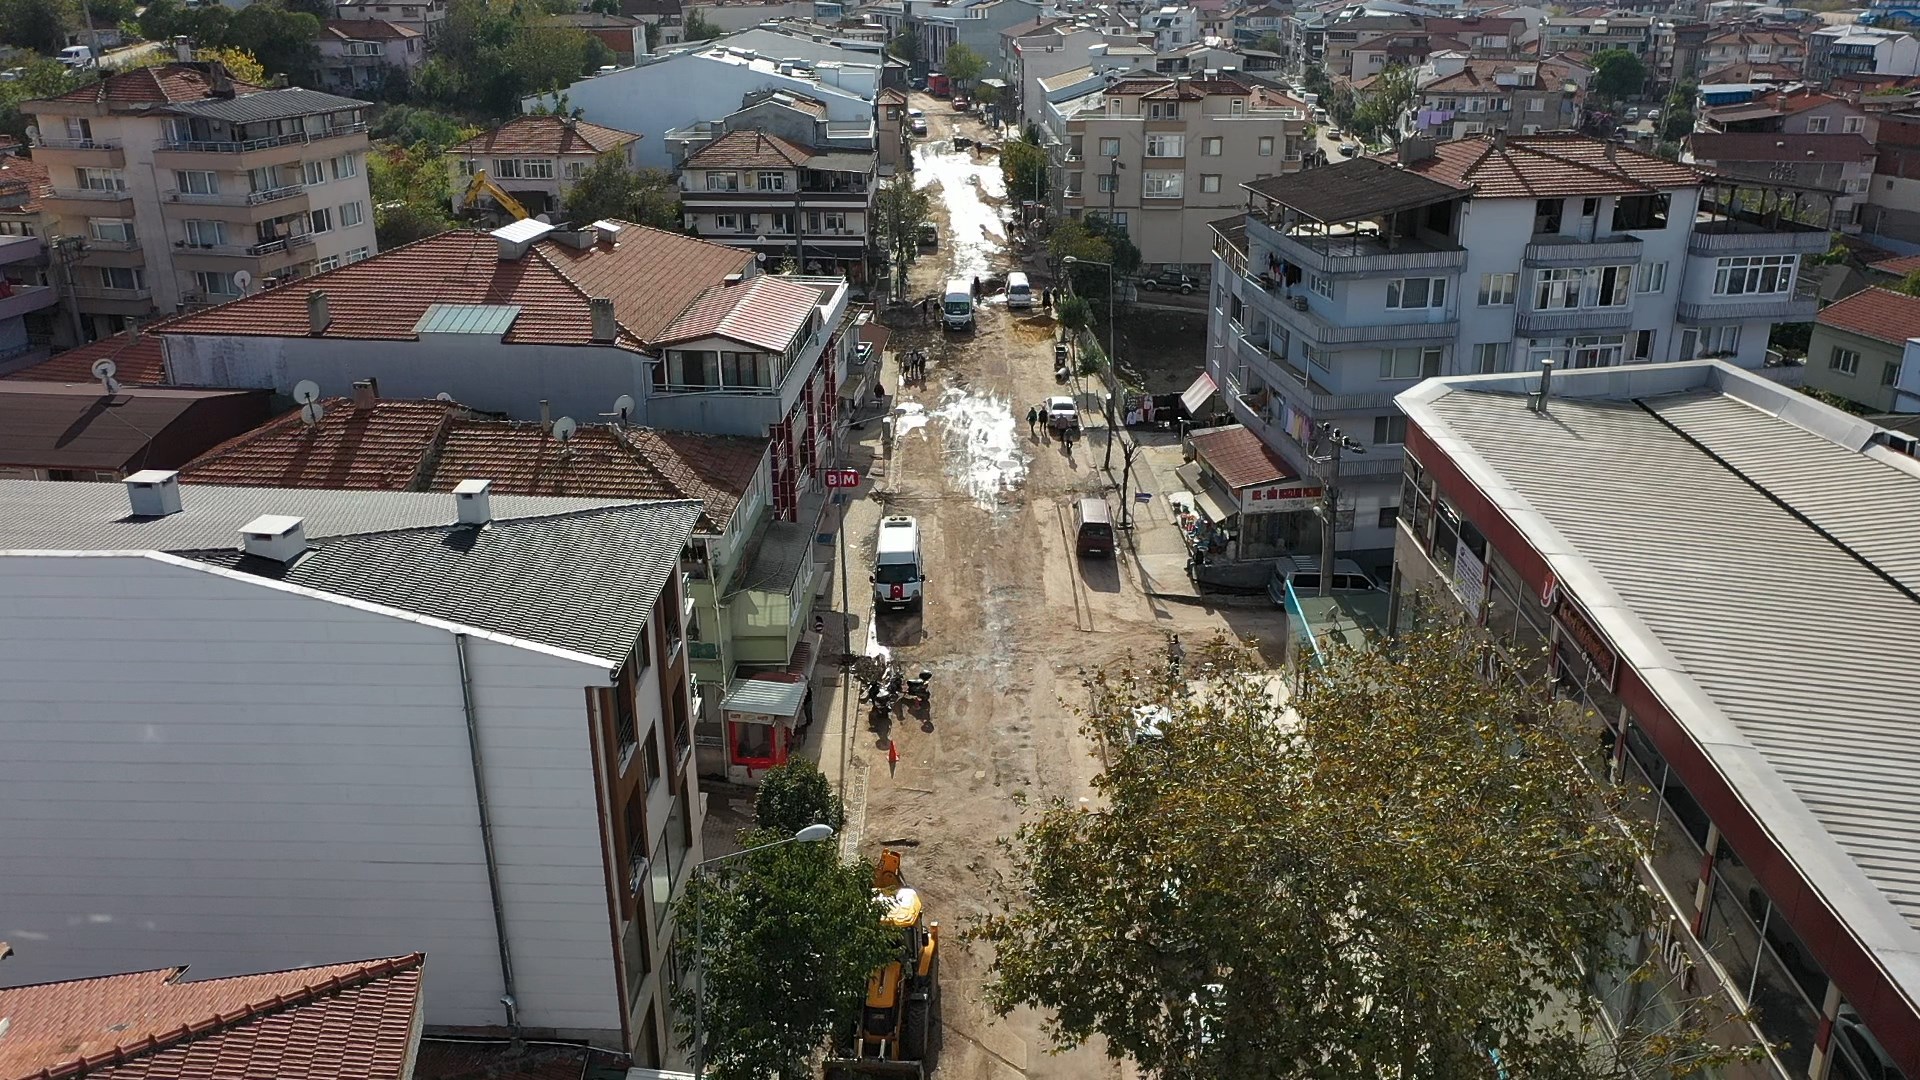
(984, 456)
(966, 185)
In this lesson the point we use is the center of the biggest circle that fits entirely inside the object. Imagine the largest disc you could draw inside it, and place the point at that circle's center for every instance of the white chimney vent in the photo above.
(474, 500)
(605, 327)
(275, 536)
(154, 492)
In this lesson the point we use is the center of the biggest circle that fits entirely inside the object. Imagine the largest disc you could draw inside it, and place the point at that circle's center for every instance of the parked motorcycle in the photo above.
(916, 693)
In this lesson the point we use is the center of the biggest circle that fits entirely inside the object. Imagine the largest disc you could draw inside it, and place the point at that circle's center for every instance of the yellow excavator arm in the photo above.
(482, 183)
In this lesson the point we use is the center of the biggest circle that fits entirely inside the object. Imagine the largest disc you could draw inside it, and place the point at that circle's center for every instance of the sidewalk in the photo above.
(1154, 542)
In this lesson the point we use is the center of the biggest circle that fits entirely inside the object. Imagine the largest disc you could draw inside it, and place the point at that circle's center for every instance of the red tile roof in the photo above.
(1240, 459)
(1779, 146)
(1479, 75)
(765, 312)
(1540, 166)
(749, 148)
(545, 135)
(366, 30)
(651, 275)
(160, 84)
(1900, 267)
(23, 176)
(1876, 313)
(385, 447)
(137, 360)
(341, 1022)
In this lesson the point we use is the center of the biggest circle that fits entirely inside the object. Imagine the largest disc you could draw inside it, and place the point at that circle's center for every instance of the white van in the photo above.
(899, 578)
(958, 308)
(1019, 291)
(77, 56)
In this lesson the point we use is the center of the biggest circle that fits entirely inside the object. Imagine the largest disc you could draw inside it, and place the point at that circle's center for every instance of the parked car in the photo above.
(1349, 149)
(1304, 572)
(1653, 114)
(1633, 112)
(1169, 279)
(1062, 414)
(929, 235)
(918, 125)
(78, 56)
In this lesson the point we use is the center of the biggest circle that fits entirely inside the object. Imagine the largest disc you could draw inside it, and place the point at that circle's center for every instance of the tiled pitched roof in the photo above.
(749, 148)
(1478, 75)
(23, 177)
(382, 447)
(763, 311)
(366, 30)
(546, 135)
(1880, 314)
(1900, 267)
(1240, 459)
(341, 1022)
(77, 426)
(1537, 166)
(160, 84)
(651, 275)
(137, 359)
(1779, 146)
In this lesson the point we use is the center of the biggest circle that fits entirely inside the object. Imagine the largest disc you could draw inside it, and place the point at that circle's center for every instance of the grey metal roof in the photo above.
(267, 105)
(1789, 656)
(45, 515)
(585, 581)
(769, 696)
(492, 319)
(1352, 190)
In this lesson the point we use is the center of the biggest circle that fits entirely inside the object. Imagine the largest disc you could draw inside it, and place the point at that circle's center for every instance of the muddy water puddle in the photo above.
(984, 456)
(966, 184)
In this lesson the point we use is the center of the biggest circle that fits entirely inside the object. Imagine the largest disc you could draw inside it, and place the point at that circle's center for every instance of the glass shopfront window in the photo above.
(1416, 498)
(1446, 536)
(1680, 826)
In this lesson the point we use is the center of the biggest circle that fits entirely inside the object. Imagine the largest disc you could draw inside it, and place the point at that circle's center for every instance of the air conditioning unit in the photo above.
(1299, 302)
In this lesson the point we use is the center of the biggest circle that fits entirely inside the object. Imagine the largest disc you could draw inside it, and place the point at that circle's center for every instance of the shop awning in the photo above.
(772, 693)
(1195, 396)
(1205, 496)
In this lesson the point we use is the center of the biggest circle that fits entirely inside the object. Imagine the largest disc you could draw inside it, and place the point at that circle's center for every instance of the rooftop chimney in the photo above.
(274, 536)
(318, 316)
(154, 492)
(1537, 401)
(1415, 149)
(183, 49)
(365, 393)
(473, 500)
(546, 414)
(605, 328)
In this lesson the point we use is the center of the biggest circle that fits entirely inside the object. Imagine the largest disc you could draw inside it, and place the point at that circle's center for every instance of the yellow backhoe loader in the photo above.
(483, 184)
(902, 994)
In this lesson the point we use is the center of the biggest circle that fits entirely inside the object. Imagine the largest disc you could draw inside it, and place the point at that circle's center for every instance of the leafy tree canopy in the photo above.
(906, 45)
(963, 65)
(409, 185)
(794, 796)
(699, 28)
(898, 210)
(41, 77)
(1024, 166)
(1618, 75)
(1411, 868)
(1270, 43)
(38, 25)
(609, 189)
(410, 125)
(786, 937)
(488, 57)
(1377, 115)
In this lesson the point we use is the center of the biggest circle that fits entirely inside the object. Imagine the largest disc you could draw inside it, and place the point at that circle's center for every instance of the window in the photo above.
(345, 167)
(1109, 147)
(652, 759)
(1389, 430)
(1816, 125)
(506, 168)
(1161, 145)
(1412, 363)
(352, 214)
(726, 222)
(1589, 207)
(1321, 284)
(1643, 341)
(314, 172)
(537, 168)
(1844, 361)
(1417, 293)
(1162, 185)
(636, 837)
(1573, 287)
(1210, 182)
(1598, 350)
(1719, 341)
(1163, 110)
(330, 262)
(1853, 125)
(116, 230)
(1546, 216)
(322, 219)
(1496, 290)
(1388, 515)
(1266, 146)
(834, 222)
(1535, 104)
(723, 181)
(576, 169)
(356, 255)
(1490, 358)
(1746, 275)
(206, 234)
(216, 283)
(1889, 373)
(1556, 288)
(102, 179)
(122, 277)
(1651, 278)
(771, 181)
(1109, 183)
(1641, 212)
(1210, 146)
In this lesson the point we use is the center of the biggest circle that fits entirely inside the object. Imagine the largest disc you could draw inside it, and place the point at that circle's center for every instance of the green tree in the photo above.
(698, 28)
(1378, 113)
(609, 189)
(284, 41)
(963, 65)
(107, 13)
(906, 44)
(898, 210)
(1270, 43)
(785, 943)
(1121, 250)
(1073, 315)
(319, 9)
(794, 796)
(410, 125)
(1409, 868)
(1024, 166)
(487, 58)
(37, 25)
(411, 199)
(1618, 75)
(40, 77)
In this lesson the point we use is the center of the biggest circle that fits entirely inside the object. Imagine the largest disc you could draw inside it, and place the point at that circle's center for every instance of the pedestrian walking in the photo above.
(1046, 299)
(976, 287)
(1033, 420)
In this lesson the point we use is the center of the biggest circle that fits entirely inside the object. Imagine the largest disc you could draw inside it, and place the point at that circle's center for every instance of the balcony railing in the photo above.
(1801, 305)
(1718, 238)
(96, 243)
(98, 292)
(1351, 254)
(242, 146)
(285, 191)
(285, 243)
(1572, 251)
(1572, 320)
(1303, 321)
(94, 194)
(80, 144)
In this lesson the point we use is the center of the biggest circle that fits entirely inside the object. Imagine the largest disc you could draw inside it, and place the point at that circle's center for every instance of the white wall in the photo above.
(242, 777)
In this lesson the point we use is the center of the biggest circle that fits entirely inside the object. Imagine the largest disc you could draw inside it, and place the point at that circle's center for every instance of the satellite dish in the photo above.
(623, 406)
(443, 396)
(564, 428)
(311, 412)
(242, 279)
(306, 391)
(104, 369)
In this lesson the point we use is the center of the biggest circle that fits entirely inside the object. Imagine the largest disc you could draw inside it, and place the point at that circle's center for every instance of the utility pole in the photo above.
(1331, 441)
(1113, 186)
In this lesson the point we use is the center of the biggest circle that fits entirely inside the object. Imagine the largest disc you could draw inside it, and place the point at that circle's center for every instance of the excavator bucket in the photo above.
(886, 876)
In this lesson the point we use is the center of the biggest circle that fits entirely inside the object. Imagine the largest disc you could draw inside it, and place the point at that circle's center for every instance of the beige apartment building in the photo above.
(1164, 156)
(182, 187)
(536, 159)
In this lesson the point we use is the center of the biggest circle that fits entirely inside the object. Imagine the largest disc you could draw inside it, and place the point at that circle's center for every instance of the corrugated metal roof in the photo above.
(1788, 660)
(490, 319)
(770, 696)
(267, 105)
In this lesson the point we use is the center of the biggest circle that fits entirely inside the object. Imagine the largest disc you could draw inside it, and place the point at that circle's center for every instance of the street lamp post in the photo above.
(1330, 441)
(812, 834)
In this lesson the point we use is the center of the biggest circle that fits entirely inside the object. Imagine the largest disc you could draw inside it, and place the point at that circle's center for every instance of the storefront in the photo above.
(1247, 504)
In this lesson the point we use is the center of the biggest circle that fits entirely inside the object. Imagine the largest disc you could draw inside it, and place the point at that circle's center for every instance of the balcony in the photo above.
(1554, 251)
(1721, 238)
(1531, 322)
(105, 301)
(284, 243)
(94, 153)
(246, 146)
(26, 298)
(1299, 385)
(1302, 320)
(242, 155)
(1355, 253)
(91, 201)
(1801, 305)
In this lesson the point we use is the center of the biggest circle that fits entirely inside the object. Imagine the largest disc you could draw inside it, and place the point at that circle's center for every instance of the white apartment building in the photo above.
(1349, 283)
(1165, 156)
(782, 200)
(187, 188)
(248, 726)
(425, 16)
(1459, 96)
(1172, 25)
